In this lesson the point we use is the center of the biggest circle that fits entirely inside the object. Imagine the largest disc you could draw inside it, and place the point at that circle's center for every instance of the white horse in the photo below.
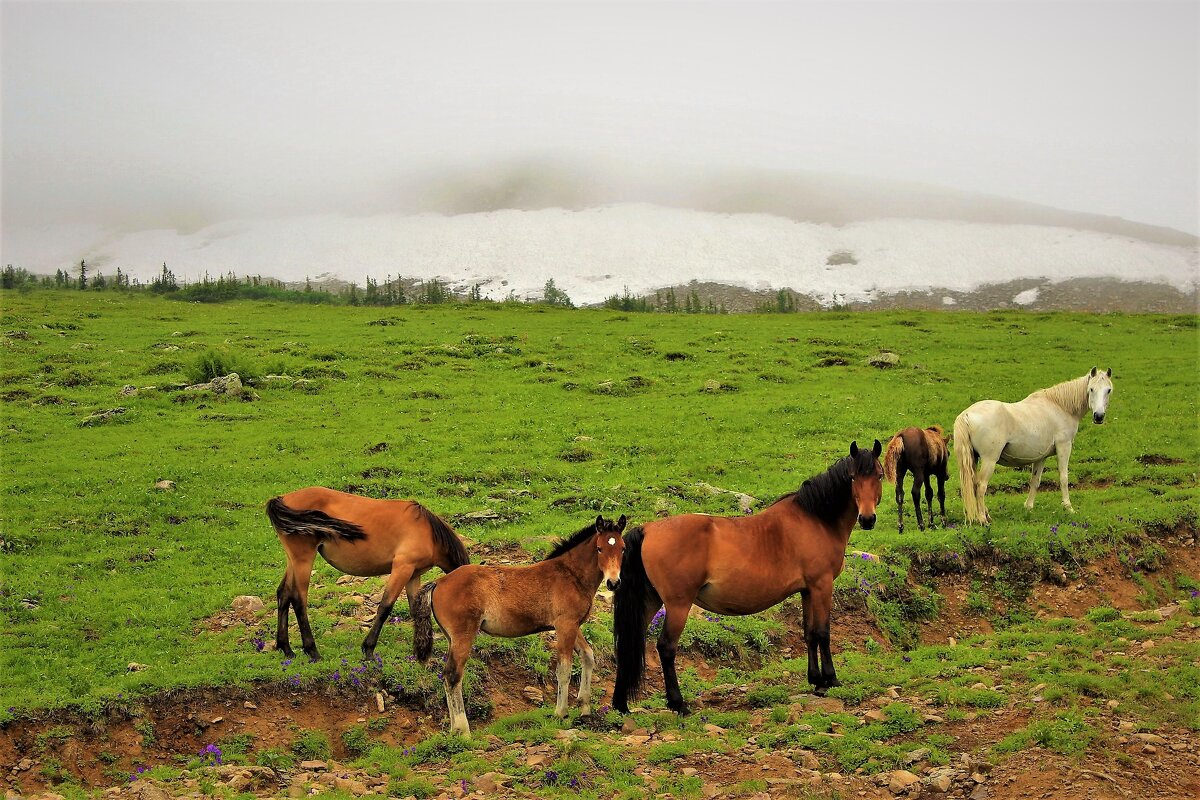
(1028, 432)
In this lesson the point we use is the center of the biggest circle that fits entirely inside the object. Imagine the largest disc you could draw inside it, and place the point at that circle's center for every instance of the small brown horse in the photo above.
(554, 594)
(924, 453)
(359, 536)
(742, 565)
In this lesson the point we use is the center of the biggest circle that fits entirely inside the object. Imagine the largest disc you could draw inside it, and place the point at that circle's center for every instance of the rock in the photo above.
(629, 725)
(981, 793)
(136, 667)
(1166, 612)
(534, 695)
(350, 785)
(827, 704)
(1148, 644)
(24, 765)
(535, 760)
(915, 756)
(229, 384)
(808, 760)
(379, 702)
(165, 486)
(634, 739)
(491, 782)
(101, 417)
(314, 766)
(940, 781)
(569, 735)
(953, 642)
(901, 781)
(1150, 738)
(148, 791)
(875, 715)
(688, 772)
(249, 705)
(714, 730)
(932, 719)
(248, 603)
(128, 390)
(884, 360)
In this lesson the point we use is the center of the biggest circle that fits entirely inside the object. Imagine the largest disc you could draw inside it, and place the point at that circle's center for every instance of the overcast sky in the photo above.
(134, 113)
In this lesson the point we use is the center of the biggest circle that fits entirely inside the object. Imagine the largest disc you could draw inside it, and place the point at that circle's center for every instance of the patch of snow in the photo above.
(949, 301)
(1027, 297)
(598, 252)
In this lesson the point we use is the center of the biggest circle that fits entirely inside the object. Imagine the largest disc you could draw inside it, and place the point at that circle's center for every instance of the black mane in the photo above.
(571, 542)
(826, 496)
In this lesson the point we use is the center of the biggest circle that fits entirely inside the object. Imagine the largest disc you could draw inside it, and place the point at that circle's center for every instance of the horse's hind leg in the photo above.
(566, 651)
(941, 493)
(900, 498)
(982, 476)
(929, 497)
(457, 653)
(587, 662)
(402, 574)
(822, 596)
(1035, 480)
(668, 646)
(293, 591)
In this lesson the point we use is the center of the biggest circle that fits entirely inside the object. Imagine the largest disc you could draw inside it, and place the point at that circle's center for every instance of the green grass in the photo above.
(544, 417)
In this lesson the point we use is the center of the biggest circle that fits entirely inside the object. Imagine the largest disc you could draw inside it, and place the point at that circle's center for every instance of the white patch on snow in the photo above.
(1027, 297)
(598, 252)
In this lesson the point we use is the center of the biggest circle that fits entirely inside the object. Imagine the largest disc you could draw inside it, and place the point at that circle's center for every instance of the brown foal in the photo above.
(359, 536)
(923, 453)
(742, 565)
(554, 594)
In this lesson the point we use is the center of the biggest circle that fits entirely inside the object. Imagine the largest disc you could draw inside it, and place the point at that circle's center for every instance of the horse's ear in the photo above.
(877, 449)
(600, 521)
(621, 523)
(1093, 373)
(853, 449)
(1109, 372)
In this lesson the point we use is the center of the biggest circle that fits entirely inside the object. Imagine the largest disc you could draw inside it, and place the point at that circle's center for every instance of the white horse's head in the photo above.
(1099, 389)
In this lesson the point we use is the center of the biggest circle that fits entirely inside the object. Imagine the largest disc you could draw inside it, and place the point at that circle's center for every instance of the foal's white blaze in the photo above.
(611, 541)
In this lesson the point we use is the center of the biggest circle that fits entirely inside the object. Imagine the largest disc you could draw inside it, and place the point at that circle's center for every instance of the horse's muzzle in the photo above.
(1098, 418)
(612, 585)
(865, 522)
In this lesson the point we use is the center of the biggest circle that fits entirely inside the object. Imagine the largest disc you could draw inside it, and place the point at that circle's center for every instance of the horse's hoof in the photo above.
(314, 656)
(287, 651)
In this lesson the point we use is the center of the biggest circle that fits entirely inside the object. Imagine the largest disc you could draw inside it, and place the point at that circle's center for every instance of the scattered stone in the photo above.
(932, 719)
(918, 755)
(953, 642)
(379, 702)
(688, 772)
(354, 787)
(534, 695)
(1148, 644)
(128, 390)
(629, 725)
(940, 781)
(535, 760)
(24, 765)
(313, 766)
(635, 739)
(248, 603)
(101, 417)
(884, 360)
(826, 704)
(1125, 726)
(249, 705)
(491, 782)
(714, 730)
(1166, 612)
(901, 781)
(136, 667)
(1150, 738)
(981, 793)
(569, 735)
(875, 715)
(165, 486)
(229, 384)
(808, 760)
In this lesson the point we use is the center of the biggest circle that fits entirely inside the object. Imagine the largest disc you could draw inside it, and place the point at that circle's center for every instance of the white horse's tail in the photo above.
(965, 453)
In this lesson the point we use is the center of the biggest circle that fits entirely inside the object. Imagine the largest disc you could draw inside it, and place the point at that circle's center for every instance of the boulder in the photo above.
(248, 603)
(884, 360)
(901, 781)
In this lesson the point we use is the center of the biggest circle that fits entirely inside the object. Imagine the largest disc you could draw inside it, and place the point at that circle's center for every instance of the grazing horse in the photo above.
(553, 594)
(1026, 432)
(923, 453)
(742, 565)
(359, 536)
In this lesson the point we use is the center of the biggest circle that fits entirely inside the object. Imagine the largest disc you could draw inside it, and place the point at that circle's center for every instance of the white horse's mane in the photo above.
(1070, 395)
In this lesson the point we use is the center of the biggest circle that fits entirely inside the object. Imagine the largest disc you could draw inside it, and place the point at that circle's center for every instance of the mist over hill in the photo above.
(599, 229)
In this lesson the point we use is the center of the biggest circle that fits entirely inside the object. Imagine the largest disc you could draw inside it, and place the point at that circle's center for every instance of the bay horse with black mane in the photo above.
(742, 565)
(923, 453)
(359, 536)
(553, 594)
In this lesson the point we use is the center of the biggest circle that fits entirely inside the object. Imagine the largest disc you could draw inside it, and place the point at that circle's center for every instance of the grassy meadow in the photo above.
(519, 424)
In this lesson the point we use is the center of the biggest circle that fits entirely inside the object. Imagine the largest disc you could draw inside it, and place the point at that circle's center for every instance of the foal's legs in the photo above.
(1035, 480)
(457, 653)
(941, 494)
(565, 634)
(668, 646)
(900, 469)
(919, 478)
(283, 598)
(402, 573)
(587, 664)
(929, 497)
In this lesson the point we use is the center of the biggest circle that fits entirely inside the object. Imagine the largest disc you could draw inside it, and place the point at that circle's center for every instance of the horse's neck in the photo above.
(1070, 396)
(581, 562)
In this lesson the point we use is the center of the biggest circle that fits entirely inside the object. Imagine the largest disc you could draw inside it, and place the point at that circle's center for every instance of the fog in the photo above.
(181, 115)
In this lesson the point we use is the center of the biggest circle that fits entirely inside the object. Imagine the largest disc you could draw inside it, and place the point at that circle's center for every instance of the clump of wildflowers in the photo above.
(211, 756)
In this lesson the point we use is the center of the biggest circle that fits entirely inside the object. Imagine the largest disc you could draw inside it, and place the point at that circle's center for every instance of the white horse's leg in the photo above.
(587, 663)
(1035, 480)
(982, 476)
(1064, 456)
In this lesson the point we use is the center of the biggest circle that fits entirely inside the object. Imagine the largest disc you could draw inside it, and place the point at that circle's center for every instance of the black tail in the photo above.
(446, 538)
(422, 613)
(631, 601)
(310, 523)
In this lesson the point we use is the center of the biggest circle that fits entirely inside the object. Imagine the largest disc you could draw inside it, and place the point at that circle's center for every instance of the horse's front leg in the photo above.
(587, 662)
(565, 634)
(402, 573)
(1064, 456)
(1035, 480)
(822, 596)
(918, 479)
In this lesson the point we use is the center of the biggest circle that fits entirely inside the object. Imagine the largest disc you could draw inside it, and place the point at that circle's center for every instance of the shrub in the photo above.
(214, 363)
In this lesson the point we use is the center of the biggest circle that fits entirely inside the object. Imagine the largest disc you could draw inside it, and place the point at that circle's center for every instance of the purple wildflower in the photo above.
(259, 644)
(287, 662)
(551, 777)
(211, 755)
